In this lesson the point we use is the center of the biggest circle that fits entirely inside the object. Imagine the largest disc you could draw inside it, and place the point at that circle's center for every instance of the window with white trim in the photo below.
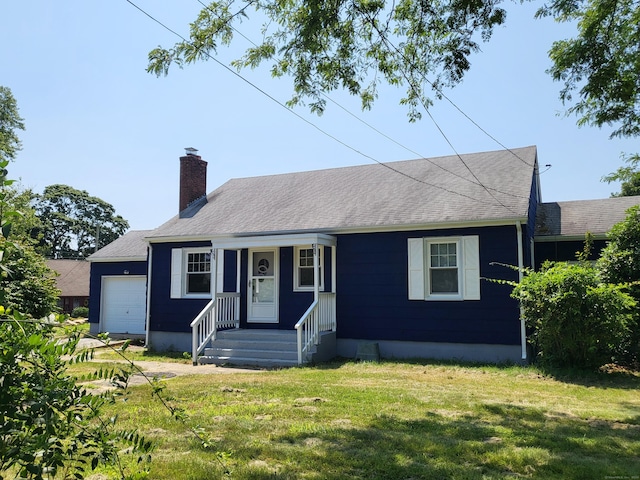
(198, 272)
(191, 272)
(444, 268)
(303, 268)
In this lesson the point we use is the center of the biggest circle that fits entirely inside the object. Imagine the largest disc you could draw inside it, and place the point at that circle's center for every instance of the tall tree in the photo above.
(601, 63)
(75, 224)
(423, 45)
(10, 121)
(355, 44)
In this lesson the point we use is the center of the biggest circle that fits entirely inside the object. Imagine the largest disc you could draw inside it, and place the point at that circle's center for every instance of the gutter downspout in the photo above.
(148, 313)
(523, 331)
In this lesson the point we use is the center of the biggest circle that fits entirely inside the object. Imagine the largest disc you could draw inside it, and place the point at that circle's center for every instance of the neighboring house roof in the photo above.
(480, 187)
(131, 246)
(73, 277)
(574, 219)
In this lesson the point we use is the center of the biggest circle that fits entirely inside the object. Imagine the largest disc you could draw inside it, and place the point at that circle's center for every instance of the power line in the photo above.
(311, 123)
(477, 180)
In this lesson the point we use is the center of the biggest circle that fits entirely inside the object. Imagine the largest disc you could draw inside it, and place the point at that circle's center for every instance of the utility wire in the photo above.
(414, 89)
(306, 120)
(477, 182)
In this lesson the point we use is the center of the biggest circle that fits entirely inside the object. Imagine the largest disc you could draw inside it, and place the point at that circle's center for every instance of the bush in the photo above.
(80, 312)
(620, 263)
(575, 319)
(28, 284)
(50, 425)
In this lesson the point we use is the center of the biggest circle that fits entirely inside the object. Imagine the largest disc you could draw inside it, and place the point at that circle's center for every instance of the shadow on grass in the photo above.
(517, 441)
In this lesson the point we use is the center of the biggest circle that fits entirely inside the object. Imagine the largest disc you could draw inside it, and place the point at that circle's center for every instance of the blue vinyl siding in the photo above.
(101, 269)
(372, 291)
(171, 314)
(372, 300)
(230, 271)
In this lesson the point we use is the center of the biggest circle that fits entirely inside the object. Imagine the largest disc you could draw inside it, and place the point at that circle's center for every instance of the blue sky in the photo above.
(98, 122)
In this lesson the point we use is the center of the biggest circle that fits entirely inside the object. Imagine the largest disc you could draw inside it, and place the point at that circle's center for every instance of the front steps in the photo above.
(249, 347)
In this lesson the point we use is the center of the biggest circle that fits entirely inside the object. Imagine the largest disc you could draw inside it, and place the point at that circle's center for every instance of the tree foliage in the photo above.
(629, 176)
(620, 263)
(76, 224)
(10, 121)
(575, 319)
(29, 284)
(600, 64)
(355, 44)
(51, 426)
(424, 46)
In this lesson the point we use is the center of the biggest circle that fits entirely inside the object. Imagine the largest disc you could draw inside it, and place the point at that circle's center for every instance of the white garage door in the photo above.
(124, 304)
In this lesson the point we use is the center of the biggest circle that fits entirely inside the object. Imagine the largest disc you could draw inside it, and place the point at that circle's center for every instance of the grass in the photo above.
(393, 420)
(137, 354)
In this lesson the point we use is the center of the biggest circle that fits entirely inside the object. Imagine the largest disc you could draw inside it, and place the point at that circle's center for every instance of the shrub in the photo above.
(575, 319)
(51, 426)
(27, 284)
(80, 312)
(620, 263)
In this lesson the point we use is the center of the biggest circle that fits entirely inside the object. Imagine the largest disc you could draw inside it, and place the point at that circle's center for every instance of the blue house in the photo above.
(303, 267)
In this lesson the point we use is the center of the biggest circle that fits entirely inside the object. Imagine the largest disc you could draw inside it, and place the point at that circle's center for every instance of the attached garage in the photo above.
(123, 304)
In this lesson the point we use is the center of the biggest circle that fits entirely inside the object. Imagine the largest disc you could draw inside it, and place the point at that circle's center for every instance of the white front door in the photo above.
(263, 286)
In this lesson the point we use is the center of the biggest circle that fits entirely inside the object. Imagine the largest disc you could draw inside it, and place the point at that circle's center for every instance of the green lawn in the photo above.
(393, 420)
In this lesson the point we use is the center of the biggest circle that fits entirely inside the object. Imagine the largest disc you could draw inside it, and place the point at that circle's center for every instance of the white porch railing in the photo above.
(319, 317)
(223, 312)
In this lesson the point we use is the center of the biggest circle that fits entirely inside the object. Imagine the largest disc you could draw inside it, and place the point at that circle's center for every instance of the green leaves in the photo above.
(51, 425)
(574, 317)
(70, 216)
(354, 45)
(601, 63)
(10, 121)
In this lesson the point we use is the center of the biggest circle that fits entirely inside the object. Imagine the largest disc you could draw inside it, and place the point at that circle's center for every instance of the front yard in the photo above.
(392, 420)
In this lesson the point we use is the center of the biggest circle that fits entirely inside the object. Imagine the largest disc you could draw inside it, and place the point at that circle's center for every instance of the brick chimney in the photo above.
(193, 178)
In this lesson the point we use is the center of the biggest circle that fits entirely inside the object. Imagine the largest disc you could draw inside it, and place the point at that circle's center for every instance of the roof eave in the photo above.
(345, 230)
(117, 259)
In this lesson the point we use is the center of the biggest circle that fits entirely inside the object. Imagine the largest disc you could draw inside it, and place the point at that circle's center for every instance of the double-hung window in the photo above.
(444, 268)
(191, 272)
(443, 275)
(303, 268)
(198, 272)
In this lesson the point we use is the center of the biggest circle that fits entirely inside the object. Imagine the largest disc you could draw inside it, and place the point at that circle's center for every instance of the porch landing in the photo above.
(253, 347)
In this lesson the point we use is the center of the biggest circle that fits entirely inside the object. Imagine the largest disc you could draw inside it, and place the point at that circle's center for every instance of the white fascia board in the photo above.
(432, 226)
(324, 236)
(117, 259)
(235, 243)
(178, 238)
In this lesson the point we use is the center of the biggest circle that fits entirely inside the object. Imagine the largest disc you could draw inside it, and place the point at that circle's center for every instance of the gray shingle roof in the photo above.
(576, 218)
(73, 277)
(131, 246)
(368, 196)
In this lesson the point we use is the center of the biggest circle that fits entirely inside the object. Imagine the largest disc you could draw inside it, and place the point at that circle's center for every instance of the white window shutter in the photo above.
(471, 265)
(416, 268)
(176, 273)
